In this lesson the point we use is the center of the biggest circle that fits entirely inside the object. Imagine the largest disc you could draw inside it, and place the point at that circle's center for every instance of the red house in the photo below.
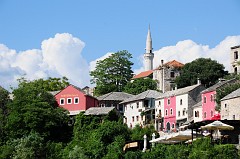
(75, 100)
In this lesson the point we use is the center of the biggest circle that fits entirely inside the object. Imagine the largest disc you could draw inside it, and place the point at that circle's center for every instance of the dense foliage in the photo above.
(32, 121)
(201, 148)
(207, 70)
(140, 85)
(112, 73)
(222, 92)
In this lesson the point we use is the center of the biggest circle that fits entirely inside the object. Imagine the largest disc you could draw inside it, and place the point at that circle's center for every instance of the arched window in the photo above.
(205, 115)
(211, 98)
(204, 99)
(159, 103)
(180, 101)
(171, 112)
(166, 112)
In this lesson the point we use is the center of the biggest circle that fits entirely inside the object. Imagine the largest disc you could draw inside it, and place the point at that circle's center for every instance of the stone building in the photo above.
(235, 59)
(165, 74)
(230, 108)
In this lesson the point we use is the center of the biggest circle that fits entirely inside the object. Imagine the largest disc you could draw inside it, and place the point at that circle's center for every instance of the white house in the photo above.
(140, 109)
(230, 109)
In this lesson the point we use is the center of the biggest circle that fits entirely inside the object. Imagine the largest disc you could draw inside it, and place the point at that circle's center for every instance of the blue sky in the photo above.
(109, 26)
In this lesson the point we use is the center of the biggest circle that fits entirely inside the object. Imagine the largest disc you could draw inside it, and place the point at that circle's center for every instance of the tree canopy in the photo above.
(140, 85)
(207, 70)
(34, 109)
(112, 73)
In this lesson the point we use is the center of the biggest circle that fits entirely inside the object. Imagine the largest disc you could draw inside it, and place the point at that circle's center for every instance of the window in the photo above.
(205, 115)
(235, 55)
(180, 101)
(195, 113)
(159, 103)
(235, 70)
(166, 112)
(211, 98)
(62, 101)
(204, 99)
(137, 104)
(168, 101)
(183, 112)
(171, 112)
(69, 101)
(76, 100)
(225, 105)
(178, 113)
(132, 118)
(211, 113)
(233, 117)
(137, 118)
(172, 75)
(173, 126)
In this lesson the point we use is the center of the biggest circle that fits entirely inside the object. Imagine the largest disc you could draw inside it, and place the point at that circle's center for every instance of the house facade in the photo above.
(197, 112)
(140, 109)
(230, 108)
(75, 100)
(178, 106)
(208, 99)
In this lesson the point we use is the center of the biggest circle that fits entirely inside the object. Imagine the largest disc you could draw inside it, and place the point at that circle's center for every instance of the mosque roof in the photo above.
(143, 74)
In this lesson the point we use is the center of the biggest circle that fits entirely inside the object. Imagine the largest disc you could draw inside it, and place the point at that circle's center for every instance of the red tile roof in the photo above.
(174, 63)
(143, 74)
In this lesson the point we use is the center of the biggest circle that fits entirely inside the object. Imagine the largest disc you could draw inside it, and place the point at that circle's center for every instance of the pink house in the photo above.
(75, 100)
(208, 99)
(170, 112)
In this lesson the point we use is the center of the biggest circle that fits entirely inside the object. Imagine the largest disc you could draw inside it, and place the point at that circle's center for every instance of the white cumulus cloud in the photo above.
(187, 50)
(59, 56)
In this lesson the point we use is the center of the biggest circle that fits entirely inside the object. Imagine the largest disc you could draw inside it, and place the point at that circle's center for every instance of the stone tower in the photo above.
(235, 59)
(148, 56)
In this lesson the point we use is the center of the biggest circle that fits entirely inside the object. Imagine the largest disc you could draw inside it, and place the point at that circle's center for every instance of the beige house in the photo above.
(230, 106)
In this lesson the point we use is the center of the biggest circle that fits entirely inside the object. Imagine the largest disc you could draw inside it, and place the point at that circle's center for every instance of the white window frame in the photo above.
(69, 102)
(75, 99)
(62, 99)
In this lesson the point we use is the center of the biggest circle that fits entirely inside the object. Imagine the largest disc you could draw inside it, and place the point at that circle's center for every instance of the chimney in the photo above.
(198, 81)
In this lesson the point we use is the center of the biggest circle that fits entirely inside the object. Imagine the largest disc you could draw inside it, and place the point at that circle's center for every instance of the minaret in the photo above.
(148, 56)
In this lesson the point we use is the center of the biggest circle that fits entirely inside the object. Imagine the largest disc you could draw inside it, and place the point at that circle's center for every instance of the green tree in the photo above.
(4, 100)
(50, 84)
(222, 92)
(112, 73)
(140, 85)
(34, 109)
(207, 70)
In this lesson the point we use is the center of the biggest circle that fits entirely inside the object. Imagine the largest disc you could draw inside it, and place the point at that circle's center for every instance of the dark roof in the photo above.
(199, 104)
(234, 47)
(115, 96)
(143, 95)
(54, 92)
(234, 94)
(98, 110)
(218, 85)
(179, 91)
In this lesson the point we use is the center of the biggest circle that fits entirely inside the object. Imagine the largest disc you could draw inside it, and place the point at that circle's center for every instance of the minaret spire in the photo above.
(148, 56)
(149, 41)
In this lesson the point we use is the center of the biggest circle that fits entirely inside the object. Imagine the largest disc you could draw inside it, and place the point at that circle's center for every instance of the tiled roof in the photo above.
(178, 91)
(143, 74)
(98, 110)
(143, 95)
(199, 104)
(174, 63)
(234, 94)
(218, 85)
(116, 96)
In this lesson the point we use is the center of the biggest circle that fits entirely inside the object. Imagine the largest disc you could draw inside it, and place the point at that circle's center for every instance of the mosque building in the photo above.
(164, 74)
